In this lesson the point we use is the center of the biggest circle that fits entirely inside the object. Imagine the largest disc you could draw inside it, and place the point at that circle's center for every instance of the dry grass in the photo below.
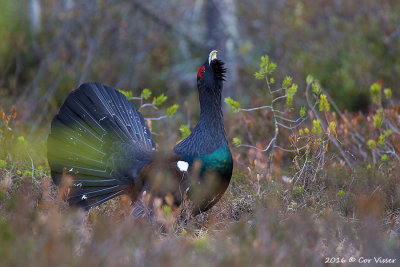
(251, 225)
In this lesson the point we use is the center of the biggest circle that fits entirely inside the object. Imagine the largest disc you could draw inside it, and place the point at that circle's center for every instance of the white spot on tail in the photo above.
(78, 185)
(182, 165)
(84, 197)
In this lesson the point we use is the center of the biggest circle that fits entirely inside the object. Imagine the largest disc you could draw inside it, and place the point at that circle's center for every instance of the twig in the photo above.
(156, 119)
(286, 150)
(291, 127)
(279, 97)
(257, 108)
(147, 105)
(277, 90)
(304, 203)
(289, 120)
(302, 170)
(33, 168)
(323, 126)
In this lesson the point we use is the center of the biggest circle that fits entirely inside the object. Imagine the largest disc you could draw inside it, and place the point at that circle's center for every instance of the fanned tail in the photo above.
(100, 140)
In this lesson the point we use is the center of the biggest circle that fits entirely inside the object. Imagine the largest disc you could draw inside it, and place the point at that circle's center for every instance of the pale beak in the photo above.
(212, 56)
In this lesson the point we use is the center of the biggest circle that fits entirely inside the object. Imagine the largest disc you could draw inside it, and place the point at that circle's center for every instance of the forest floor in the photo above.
(252, 225)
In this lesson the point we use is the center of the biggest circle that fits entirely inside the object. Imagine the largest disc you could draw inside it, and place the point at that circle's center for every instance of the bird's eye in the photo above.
(200, 72)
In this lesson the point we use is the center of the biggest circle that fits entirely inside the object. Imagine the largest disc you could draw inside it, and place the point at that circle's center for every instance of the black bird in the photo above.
(101, 141)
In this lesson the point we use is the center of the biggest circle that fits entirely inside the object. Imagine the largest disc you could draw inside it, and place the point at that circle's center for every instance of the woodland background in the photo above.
(327, 185)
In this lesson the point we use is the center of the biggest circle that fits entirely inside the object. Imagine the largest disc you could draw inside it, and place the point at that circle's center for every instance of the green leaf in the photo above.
(323, 103)
(2, 163)
(259, 75)
(157, 101)
(340, 193)
(172, 110)
(266, 67)
(371, 144)
(309, 79)
(298, 190)
(272, 80)
(234, 105)
(185, 131)
(271, 67)
(286, 82)
(166, 210)
(332, 127)
(384, 158)
(388, 132)
(388, 93)
(381, 140)
(290, 92)
(303, 111)
(264, 61)
(316, 88)
(316, 127)
(127, 94)
(237, 141)
(22, 142)
(378, 118)
(376, 93)
(146, 93)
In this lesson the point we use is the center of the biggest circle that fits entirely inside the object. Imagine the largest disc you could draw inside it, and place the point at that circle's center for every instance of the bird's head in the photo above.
(211, 74)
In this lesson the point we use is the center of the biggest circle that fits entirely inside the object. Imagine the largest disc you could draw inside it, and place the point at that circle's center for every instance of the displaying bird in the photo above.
(102, 143)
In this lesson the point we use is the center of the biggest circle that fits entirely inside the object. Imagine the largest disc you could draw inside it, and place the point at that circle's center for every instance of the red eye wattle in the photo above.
(200, 71)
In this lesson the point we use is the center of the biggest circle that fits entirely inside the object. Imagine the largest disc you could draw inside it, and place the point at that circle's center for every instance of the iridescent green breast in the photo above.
(205, 190)
(220, 161)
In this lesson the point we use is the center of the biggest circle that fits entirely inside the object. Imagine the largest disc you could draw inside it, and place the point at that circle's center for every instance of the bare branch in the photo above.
(147, 105)
(323, 126)
(156, 119)
(289, 120)
(276, 99)
(257, 108)
(291, 127)
(284, 149)
(277, 91)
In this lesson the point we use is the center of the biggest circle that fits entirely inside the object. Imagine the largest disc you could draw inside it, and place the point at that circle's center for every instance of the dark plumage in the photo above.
(101, 141)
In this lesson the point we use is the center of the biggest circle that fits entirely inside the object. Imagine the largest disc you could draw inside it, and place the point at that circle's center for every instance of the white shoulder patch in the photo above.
(182, 165)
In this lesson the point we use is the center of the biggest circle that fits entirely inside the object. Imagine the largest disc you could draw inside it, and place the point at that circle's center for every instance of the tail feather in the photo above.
(77, 146)
(95, 201)
(85, 181)
(79, 195)
(75, 110)
(100, 140)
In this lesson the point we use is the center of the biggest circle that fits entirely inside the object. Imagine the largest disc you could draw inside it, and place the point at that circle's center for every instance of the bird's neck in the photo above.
(209, 133)
(211, 117)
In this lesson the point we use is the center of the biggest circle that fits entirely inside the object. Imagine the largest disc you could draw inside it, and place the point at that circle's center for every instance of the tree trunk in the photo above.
(35, 15)
(222, 35)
